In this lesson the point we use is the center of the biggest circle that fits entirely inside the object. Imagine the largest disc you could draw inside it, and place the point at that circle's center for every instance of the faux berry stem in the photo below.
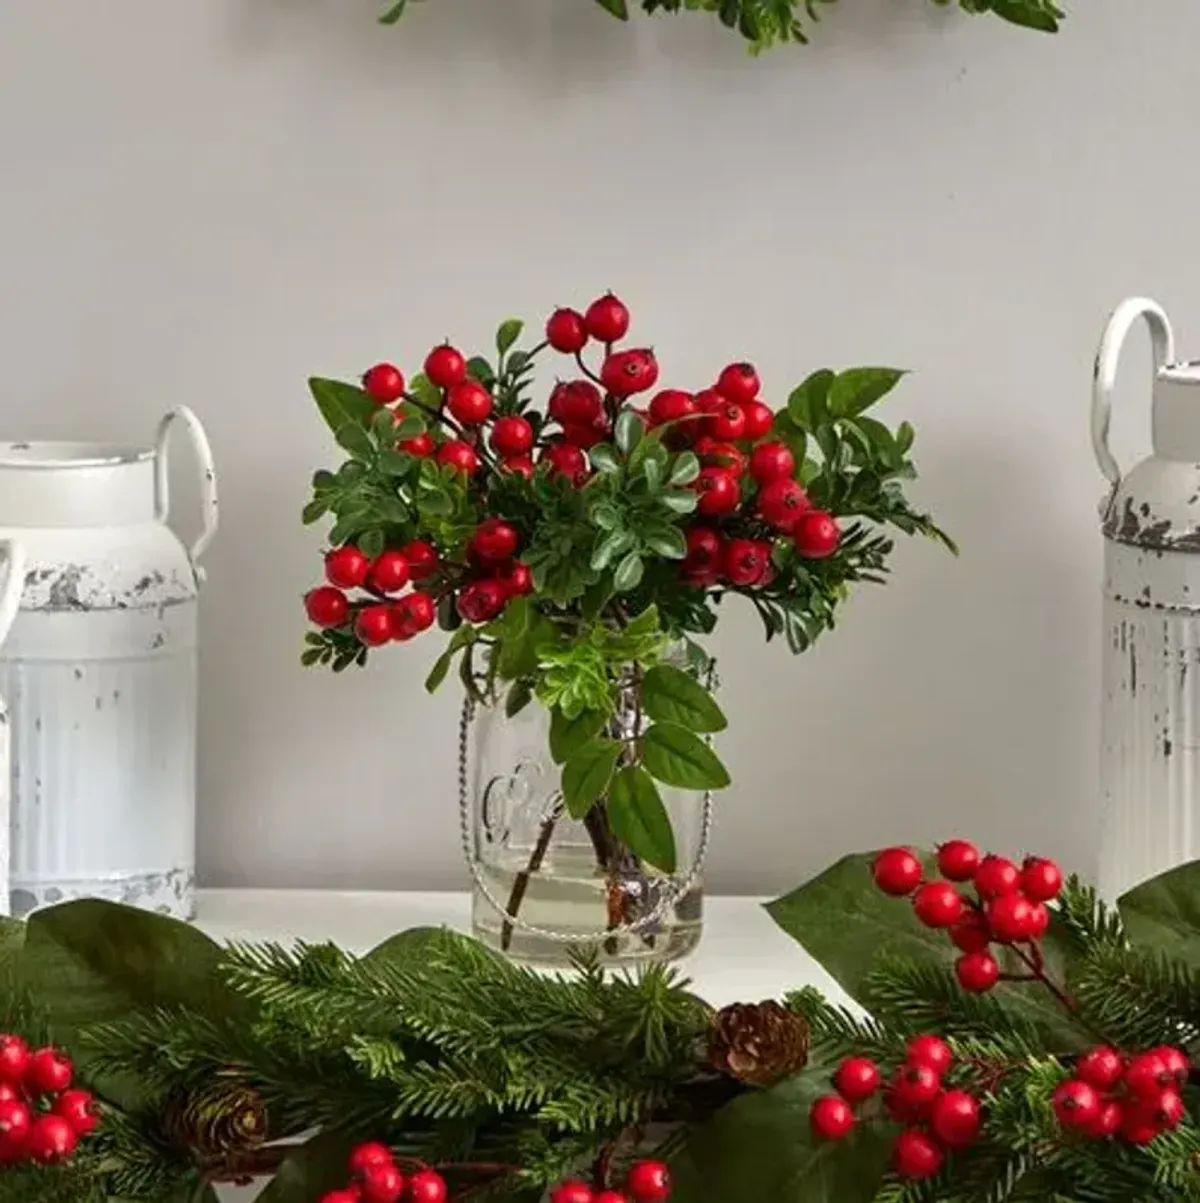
(436, 414)
(520, 884)
(583, 367)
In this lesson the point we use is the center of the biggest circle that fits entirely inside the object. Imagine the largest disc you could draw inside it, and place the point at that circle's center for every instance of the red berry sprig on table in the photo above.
(42, 1117)
(647, 1182)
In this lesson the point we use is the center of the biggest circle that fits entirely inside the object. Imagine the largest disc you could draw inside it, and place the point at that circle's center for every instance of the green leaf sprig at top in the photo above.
(575, 555)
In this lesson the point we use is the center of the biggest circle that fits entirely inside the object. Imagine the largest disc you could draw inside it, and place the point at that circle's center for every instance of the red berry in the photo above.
(383, 383)
(607, 319)
(977, 972)
(1147, 1075)
(831, 1117)
(368, 1154)
(519, 465)
(772, 461)
(585, 437)
(517, 579)
(1076, 1104)
(1100, 1067)
(495, 539)
(78, 1108)
(566, 460)
(857, 1079)
(15, 1122)
(511, 436)
(1167, 1111)
(422, 559)
(721, 455)
(427, 1186)
(566, 332)
(719, 491)
(1041, 878)
(914, 1155)
(412, 614)
(938, 904)
(346, 567)
(759, 420)
(481, 601)
(932, 1051)
(956, 1118)
(373, 625)
(51, 1140)
(746, 561)
(469, 402)
(958, 860)
(703, 552)
(326, 607)
(738, 382)
(422, 446)
(1040, 923)
(970, 933)
(572, 1192)
(610, 1196)
(728, 422)
(445, 366)
(1176, 1061)
(460, 456)
(996, 875)
(782, 502)
(649, 1182)
(381, 1183)
(1137, 1128)
(671, 405)
(14, 1059)
(50, 1071)
(1106, 1122)
(390, 572)
(576, 403)
(914, 1088)
(896, 872)
(1011, 918)
(816, 535)
(625, 373)
(345, 1194)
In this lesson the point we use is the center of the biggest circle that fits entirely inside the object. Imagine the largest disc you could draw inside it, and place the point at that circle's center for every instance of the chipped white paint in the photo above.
(1150, 737)
(13, 556)
(100, 673)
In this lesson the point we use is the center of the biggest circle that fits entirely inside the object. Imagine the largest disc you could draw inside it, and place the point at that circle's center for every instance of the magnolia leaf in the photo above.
(857, 389)
(677, 757)
(639, 819)
(586, 775)
(568, 735)
(310, 1169)
(1164, 913)
(671, 695)
(341, 403)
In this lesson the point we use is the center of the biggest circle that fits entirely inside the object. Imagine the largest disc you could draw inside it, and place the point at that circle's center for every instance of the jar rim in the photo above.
(53, 453)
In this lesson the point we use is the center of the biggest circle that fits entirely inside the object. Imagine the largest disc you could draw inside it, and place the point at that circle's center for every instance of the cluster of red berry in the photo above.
(728, 426)
(1009, 906)
(646, 1182)
(41, 1118)
(376, 1178)
(1132, 1098)
(936, 1119)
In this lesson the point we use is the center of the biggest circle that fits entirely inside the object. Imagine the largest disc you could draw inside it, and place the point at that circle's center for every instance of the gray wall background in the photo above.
(205, 203)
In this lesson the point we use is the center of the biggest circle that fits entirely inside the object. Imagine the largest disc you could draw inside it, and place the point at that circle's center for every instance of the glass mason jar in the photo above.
(545, 882)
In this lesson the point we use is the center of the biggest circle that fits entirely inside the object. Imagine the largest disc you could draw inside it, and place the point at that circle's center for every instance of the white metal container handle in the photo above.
(1108, 359)
(208, 479)
(14, 584)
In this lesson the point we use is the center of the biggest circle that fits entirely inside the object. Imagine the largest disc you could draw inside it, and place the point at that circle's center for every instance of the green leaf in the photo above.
(395, 463)
(341, 403)
(618, 8)
(425, 391)
(904, 437)
(310, 1169)
(807, 402)
(604, 459)
(640, 820)
(665, 541)
(370, 543)
(586, 775)
(568, 735)
(646, 623)
(685, 469)
(479, 369)
(519, 696)
(1164, 913)
(629, 573)
(675, 756)
(393, 14)
(462, 637)
(681, 502)
(760, 1147)
(857, 389)
(314, 510)
(355, 440)
(508, 333)
(611, 546)
(670, 695)
(628, 431)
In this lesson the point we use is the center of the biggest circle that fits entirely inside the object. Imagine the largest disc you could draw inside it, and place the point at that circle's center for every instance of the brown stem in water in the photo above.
(521, 883)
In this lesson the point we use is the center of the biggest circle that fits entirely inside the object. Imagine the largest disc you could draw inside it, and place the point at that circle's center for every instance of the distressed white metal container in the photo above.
(99, 672)
(13, 556)
(1150, 759)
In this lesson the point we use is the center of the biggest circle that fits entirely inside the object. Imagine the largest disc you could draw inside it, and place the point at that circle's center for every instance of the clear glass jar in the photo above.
(544, 882)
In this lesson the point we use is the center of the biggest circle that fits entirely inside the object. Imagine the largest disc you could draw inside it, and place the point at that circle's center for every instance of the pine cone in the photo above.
(758, 1043)
(217, 1122)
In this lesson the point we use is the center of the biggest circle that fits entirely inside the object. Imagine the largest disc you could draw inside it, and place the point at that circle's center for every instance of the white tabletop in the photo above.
(743, 956)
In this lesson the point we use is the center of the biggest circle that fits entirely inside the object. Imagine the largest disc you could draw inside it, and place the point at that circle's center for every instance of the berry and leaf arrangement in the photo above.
(767, 23)
(1000, 1035)
(576, 555)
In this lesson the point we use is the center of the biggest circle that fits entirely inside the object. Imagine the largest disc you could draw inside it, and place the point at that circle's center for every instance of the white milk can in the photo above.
(1150, 723)
(99, 672)
(13, 555)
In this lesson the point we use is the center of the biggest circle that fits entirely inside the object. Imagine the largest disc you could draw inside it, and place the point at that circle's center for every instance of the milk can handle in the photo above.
(208, 479)
(14, 583)
(1108, 359)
